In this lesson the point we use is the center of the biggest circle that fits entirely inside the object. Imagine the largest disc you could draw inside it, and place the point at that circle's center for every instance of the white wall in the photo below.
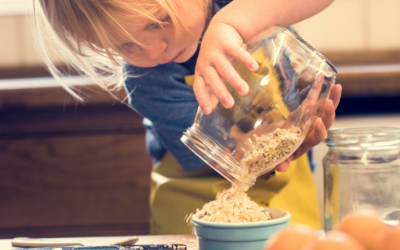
(346, 25)
(16, 48)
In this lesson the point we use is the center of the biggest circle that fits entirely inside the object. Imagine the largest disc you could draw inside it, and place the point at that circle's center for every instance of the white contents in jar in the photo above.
(268, 149)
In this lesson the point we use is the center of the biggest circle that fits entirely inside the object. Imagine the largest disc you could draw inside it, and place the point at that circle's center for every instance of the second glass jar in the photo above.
(362, 171)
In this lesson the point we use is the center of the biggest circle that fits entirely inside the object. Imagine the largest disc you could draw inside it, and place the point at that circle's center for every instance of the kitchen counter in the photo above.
(189, 240)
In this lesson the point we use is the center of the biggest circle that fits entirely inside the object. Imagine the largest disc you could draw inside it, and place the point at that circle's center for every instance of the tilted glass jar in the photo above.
(286, 95)
(361, 171)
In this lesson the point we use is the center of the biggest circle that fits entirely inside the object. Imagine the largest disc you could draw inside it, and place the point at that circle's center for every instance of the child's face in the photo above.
(160, 44)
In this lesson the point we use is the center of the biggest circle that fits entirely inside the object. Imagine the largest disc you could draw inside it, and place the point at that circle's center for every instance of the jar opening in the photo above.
(371, 138)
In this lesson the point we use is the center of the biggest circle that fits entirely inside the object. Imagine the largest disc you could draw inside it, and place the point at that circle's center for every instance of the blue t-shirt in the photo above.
(168, 106)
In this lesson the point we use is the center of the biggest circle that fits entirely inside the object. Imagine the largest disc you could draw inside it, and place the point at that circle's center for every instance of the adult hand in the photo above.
(221, 44)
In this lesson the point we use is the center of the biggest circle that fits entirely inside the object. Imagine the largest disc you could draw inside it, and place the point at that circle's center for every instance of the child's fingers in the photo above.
(315, 137)
(316, 89)
(227, 72)
(336, 93)
(217, 87)
(283, 166)
(235, 51)
(202, 96)
(328, 117)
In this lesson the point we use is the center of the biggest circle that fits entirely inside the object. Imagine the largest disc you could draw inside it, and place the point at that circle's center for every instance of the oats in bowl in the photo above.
(231, 206)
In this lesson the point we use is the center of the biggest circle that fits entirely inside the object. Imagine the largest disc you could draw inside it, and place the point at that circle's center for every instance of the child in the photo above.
(157, 44)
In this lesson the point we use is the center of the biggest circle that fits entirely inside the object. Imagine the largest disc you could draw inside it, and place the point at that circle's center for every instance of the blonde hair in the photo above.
(67, 29)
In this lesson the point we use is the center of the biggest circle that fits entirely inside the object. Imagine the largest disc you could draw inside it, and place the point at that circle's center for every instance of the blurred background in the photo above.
(81, 169)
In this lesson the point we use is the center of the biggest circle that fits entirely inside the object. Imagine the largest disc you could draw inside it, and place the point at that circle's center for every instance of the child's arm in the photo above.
(239, 21)
(251, 17)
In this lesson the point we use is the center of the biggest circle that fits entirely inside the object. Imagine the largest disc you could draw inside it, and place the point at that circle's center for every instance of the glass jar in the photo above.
(286, 95)
(362, 171)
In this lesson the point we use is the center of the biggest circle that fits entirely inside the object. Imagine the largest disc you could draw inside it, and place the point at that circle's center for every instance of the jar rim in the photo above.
(364, 138)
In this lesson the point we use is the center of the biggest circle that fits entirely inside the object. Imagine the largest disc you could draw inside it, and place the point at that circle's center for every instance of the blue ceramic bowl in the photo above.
(239, 236)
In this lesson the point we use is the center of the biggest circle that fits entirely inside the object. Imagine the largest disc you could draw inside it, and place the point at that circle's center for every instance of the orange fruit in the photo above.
(391, 241)
(292, 239)
(335, 240)
(365, 227)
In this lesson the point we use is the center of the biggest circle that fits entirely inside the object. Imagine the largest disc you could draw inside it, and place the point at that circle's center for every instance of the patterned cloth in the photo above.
(137, 247)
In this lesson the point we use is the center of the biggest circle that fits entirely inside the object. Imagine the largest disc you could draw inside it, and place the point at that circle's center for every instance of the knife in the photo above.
(32, 242)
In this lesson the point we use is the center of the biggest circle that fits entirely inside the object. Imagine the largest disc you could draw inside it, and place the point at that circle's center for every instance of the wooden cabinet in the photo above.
(68, 170)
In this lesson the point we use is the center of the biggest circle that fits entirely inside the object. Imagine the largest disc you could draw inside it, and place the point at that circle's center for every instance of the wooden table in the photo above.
(189, 240)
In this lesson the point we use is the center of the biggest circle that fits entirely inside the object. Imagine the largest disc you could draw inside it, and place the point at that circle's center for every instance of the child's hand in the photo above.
(221, 44)
(321, 125)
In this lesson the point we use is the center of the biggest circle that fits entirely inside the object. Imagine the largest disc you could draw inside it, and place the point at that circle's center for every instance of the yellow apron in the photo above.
(176, 193)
